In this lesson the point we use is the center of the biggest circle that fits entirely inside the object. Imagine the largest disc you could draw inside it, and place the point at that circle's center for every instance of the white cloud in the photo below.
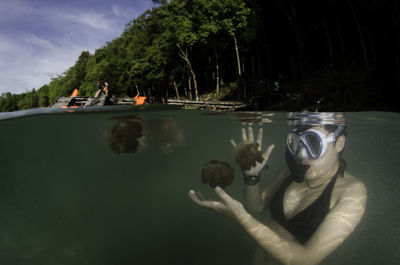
(36, 41)
(90, 19)
(127, 13)
(47, 40)
(23, 68)
(11, 10)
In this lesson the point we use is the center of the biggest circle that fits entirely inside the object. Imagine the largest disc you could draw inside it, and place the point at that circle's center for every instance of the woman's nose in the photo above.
(302, 152)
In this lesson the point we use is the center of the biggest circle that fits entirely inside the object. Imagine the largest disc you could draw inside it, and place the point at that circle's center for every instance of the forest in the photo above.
(331, 55)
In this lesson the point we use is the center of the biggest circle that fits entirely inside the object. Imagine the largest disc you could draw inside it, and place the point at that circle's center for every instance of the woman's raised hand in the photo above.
(248, 152)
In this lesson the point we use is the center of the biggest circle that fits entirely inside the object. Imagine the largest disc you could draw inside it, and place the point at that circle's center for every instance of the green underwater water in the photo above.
(67, 198)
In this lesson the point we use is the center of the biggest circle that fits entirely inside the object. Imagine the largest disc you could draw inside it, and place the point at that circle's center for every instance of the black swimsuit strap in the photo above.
(304, 223)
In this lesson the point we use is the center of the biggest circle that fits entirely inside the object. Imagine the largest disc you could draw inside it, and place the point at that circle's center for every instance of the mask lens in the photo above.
(293, 142)
(313, 143)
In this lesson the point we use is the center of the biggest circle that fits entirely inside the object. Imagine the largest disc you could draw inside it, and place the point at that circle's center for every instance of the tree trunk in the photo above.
(340, 35)
(137, 89)
(216, 71)
(372, 48)
(259, 63)
(367, 89)
(361, 37)
(184, 87)
(244, 83)
(292, 17)
(328, 36)
(253, 68)
(176, 90)
(190, 87)
(196, 92)
(237, 55)
(240, 77)
(185, 56)
(150, 93)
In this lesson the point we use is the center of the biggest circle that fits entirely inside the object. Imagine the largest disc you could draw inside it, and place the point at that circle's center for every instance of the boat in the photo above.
(79, 101)
(85, 101)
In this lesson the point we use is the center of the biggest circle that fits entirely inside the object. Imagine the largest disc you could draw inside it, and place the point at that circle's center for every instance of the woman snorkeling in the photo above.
(314, 203)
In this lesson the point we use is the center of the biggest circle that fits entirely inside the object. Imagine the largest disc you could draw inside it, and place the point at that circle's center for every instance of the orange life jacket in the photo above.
(139, 100)
(74, 93)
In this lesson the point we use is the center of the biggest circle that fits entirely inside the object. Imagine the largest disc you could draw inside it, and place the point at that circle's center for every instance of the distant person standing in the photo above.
(99, 89)
(106, 88)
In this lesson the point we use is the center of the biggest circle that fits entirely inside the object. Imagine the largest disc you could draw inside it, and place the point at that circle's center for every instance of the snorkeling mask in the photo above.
(314, 141)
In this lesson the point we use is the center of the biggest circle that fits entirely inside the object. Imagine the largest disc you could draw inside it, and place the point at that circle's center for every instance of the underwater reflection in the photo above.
(132, 134)
(170, 135)
(250, 118)
(125, 135)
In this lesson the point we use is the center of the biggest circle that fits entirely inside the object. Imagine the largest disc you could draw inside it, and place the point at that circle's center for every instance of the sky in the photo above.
(40, 39)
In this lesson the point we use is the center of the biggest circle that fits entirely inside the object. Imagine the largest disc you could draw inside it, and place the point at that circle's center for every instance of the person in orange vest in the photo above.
(106, 88)
(140, 100)
(99, 89)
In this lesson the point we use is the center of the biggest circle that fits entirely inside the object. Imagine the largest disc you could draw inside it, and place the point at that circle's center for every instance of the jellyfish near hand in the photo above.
(247, 155)
(217, 173)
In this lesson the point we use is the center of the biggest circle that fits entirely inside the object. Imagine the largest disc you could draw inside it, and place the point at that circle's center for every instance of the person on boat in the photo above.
(99, 89)
(314, 203)
(106, 89)
(139, 100)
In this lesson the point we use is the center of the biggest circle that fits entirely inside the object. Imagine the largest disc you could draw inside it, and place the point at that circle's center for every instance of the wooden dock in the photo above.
(208, 105)
(81, 101)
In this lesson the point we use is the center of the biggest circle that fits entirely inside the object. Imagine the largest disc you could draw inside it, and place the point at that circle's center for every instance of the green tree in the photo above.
(8, 102)
(180, 29)
(43, 96)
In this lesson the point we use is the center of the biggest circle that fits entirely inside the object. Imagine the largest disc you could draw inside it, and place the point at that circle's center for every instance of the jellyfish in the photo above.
(217, 173)
(247, 155)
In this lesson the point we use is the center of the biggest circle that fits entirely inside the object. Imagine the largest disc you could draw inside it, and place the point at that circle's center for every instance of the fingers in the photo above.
(259, 138)
(198, 198)
(250, 134)
(193, 196)
(266, 154)
(244, 135)
(222, 194)
(268, 151)
(213, 205)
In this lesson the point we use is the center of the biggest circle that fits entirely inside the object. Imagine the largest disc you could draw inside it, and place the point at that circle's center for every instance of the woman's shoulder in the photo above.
(350, 186)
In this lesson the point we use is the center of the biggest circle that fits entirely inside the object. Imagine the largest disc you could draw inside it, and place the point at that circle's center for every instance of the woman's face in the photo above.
(325, 165)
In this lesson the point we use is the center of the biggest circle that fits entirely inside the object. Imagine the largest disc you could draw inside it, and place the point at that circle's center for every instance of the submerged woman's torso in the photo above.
(295, 200)
(300, 209)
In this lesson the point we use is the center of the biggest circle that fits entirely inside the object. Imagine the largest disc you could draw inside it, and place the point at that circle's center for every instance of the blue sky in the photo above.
(40, 39)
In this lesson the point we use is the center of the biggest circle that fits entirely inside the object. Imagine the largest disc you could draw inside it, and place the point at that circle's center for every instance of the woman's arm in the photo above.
(336, 227)
(256, 198)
